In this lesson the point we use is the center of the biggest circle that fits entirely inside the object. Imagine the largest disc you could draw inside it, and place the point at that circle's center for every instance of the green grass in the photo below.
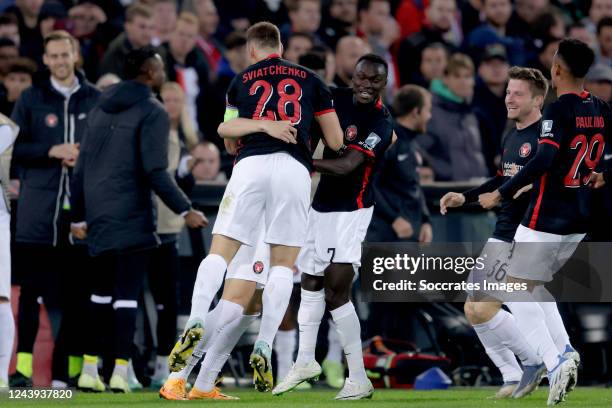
(454, 398)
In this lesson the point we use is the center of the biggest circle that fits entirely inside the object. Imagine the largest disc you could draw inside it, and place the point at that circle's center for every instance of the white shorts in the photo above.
(494, 256)
(333, 237)
(5, 251)
(251, 263)
(539, 255)
(274, 187)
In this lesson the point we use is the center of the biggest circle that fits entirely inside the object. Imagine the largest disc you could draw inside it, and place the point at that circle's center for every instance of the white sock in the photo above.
(284, 346)
(275, 299)
(503, 324)
(553, 319)
(7, 328)
(219, 351)
(530, 320)
(502, 356)
(207, 284)
(310, 313)
(334, 347)
(349, 330)
(161, 368)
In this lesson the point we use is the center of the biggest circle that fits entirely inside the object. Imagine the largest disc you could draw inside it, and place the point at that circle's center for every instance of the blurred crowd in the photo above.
(461, 50)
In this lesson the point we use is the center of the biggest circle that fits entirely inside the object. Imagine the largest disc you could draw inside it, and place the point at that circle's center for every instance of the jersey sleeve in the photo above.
(551, 131)
(231, 103)
(376, 141)
(323, 101)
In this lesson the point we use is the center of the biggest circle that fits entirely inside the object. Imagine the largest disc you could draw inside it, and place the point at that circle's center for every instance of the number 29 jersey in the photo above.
(276, 89)
(578, 125)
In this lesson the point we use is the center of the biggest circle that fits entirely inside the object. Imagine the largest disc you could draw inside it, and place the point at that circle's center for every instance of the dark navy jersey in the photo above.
(517, 149)
(577, 125)
(276, 89)
(367, 128)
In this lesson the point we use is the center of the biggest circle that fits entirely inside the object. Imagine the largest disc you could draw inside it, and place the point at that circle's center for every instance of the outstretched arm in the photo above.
(341, 166)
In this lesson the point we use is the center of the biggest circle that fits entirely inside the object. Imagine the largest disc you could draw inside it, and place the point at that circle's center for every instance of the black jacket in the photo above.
(123, 160)
(46, 120)
(396, 189)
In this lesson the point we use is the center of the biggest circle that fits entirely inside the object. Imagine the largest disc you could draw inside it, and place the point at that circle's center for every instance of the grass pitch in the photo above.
(453, 398)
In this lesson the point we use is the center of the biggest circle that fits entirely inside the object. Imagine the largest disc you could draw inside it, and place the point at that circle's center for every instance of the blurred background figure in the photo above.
(207, 163)
(599, 82)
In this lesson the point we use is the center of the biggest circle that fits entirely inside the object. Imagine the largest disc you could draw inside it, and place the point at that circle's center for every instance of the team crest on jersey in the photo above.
(372, 140)
(351, 133)
(546, 128)
(51, 120)
(525, 149)
(258, 267)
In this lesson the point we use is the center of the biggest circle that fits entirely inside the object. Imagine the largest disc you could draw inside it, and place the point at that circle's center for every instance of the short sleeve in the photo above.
(551, 131)
(323, 100)
(376, 141)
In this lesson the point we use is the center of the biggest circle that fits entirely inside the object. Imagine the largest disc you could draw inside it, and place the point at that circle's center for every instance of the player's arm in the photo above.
(238, 127)
(332, 132)
(231, 146)
(341, 166)
(8, 132)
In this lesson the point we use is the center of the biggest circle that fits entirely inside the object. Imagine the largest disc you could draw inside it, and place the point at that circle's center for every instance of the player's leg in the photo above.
(221, 345)
(131, 269)
(275, 299)
(285, 341)
(100, 321)
(333, 364)
(240, 212)
(338, 282)
(7, 324)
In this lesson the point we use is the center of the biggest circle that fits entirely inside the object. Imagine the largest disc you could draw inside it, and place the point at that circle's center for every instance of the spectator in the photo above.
(380, 30)
(340, 20)
(604, 37)
(8, 54)
(409, 15)
(599, 82)
(164, 270)
(549, 24)
(186, 64)
(436, 29)
(544, 57)
(489, 100)
(9, 28)
(235, 61)
(453, 142)
(31, 41)
(494, 31)
(164, 20)
(207, 162)
(138, 33)
(401, 212)
(526, 12)
(348, 51)
(50, 115)
(433, 61)
(130, 162)
(18, 78)
(298, 44)
(598, 10)
(580, 32)
(305, 17)
(316, 61)
(209, 22)
(51, 15)
(106, 81)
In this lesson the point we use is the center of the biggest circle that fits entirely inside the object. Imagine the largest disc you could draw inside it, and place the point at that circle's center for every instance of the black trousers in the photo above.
(56, 275)
(163, 278)
(117, 279)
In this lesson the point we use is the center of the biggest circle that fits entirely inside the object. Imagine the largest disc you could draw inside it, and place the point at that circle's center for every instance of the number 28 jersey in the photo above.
(578, 126)
(276, 89)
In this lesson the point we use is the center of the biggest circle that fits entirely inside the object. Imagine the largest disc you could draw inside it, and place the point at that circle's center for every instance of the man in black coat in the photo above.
(51, 115)
(123, 162)
(401, 212)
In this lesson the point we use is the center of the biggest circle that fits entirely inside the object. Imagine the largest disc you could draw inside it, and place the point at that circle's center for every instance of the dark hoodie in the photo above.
(123, 160)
